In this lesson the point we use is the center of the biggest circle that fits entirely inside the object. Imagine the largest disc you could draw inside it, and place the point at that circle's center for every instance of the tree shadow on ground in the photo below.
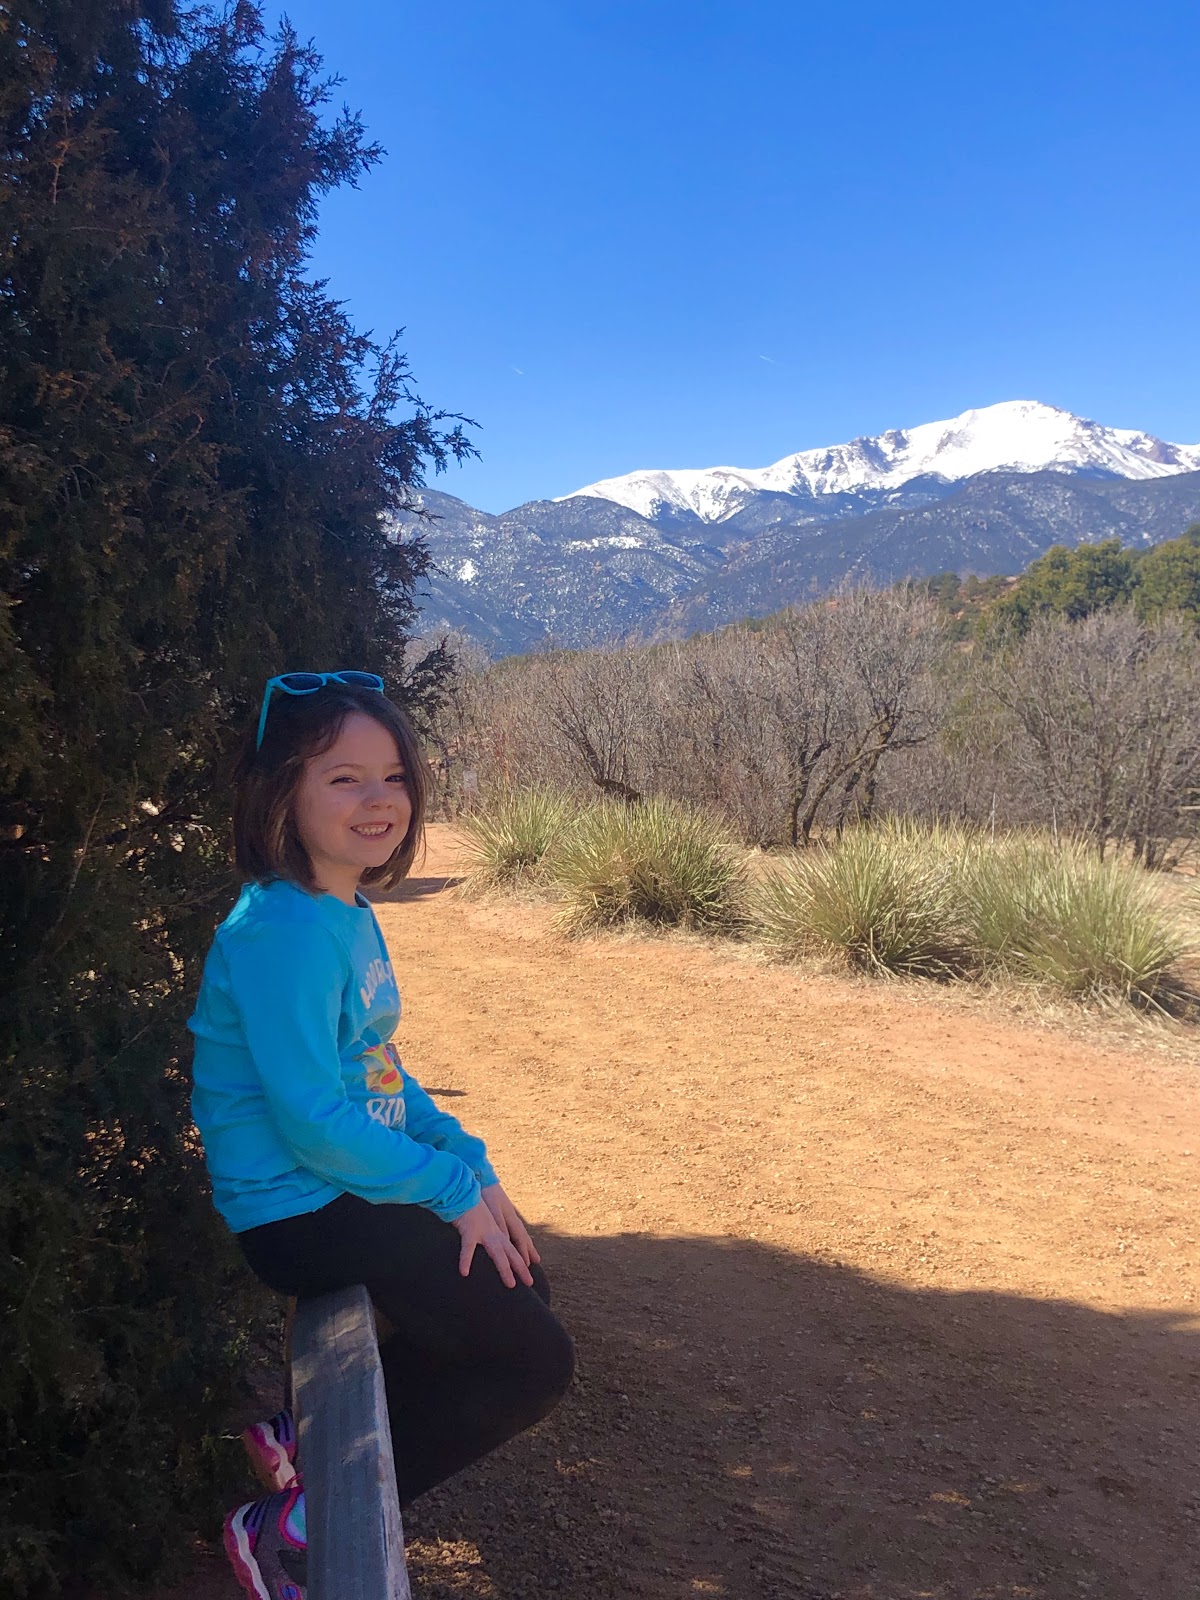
(411, 889)
(753, 1423)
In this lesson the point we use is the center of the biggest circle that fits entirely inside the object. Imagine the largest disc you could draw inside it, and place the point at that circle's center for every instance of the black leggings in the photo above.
(471, 1363)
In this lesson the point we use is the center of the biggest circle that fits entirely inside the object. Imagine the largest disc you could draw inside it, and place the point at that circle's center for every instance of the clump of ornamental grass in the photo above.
(654, 861)
(885, 900)
(512, 837)
(1055, 913)
(1003, 888)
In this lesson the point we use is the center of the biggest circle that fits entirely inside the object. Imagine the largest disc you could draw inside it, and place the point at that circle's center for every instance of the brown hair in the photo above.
(266, 842)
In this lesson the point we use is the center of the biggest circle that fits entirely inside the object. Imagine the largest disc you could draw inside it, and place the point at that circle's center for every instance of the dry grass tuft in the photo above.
(511, 839)
(898, 898)
(943, 901)
(1053, 912)
(655, 862)
(882, 899)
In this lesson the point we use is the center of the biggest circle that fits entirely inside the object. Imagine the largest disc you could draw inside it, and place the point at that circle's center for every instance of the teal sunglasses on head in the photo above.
(309, 683)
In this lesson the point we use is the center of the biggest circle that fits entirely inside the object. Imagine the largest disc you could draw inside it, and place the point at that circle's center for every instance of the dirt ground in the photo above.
(876, 1296)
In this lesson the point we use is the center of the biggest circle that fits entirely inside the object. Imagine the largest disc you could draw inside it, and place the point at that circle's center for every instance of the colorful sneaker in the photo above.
(267, 1545)
(271, 1447)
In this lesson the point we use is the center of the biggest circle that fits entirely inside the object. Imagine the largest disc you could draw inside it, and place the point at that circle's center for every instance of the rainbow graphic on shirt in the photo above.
(385, 1084)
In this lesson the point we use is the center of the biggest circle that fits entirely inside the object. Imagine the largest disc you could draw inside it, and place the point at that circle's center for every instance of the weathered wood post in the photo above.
(355, 1536)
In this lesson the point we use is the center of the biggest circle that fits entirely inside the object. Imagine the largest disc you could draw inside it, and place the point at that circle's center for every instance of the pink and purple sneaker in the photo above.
(271, 1447)
(267, 1545)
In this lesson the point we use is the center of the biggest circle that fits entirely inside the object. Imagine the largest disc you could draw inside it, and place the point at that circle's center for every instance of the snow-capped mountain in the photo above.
(661, 554)
(1014, 436)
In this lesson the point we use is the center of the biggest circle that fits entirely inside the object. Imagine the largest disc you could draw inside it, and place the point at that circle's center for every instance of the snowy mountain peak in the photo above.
(1016, 435)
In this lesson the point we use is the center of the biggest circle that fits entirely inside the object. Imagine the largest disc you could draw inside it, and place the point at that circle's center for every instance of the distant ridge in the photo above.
(1013, 436)
(981, 494)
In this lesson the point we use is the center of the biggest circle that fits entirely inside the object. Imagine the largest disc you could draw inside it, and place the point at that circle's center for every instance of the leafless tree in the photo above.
(889, 640)
(835, 710)
(968, 770)
(805, 702)
(598, 704)
(458, 726)
(1110, 712)
(713, 747)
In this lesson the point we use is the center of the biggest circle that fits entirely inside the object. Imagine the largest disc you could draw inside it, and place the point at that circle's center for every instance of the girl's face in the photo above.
(352, 807)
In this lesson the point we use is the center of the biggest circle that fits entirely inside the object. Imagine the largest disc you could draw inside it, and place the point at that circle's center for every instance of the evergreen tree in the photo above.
(1065, 582)
(196, 452)
(1168, 579)
(962, 601)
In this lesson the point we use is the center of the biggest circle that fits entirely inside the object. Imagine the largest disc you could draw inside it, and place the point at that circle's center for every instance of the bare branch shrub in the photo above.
(457, 726)
(1109, 709)
(715, 745)
(598, 704)
(774, 728)
(967, 772)
(886, 643)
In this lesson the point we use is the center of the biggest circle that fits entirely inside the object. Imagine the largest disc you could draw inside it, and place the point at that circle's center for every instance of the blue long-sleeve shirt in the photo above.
(298, 1093)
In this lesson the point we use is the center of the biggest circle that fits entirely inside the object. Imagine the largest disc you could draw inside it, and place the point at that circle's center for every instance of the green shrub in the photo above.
(1056, 913)
(199, 458)
(884, 899)
(511, 839)
(655, 861)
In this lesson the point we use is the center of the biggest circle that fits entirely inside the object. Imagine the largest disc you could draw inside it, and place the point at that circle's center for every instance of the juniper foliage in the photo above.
(196, 450)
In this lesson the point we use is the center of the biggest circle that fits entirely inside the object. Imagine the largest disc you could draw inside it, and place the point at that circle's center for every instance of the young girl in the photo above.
(328, 1160)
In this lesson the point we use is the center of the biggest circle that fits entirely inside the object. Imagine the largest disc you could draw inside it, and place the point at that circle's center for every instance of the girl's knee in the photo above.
(562, 1366)
(550, 1376)
(541, 1283)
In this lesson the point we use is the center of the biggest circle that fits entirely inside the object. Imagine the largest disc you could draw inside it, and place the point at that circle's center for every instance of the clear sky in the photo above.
(670, 233)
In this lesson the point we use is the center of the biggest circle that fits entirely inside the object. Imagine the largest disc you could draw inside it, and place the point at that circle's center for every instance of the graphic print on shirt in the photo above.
(385, 1085)
(378, 973)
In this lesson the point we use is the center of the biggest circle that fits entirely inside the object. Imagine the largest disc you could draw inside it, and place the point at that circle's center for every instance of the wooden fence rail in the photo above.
(355, 1536)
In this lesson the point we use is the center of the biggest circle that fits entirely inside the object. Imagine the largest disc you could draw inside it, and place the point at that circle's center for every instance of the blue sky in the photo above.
(648, 233)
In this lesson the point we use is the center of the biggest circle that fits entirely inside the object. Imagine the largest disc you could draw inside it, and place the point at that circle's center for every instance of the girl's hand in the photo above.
(511, 1220)
(479, 1227)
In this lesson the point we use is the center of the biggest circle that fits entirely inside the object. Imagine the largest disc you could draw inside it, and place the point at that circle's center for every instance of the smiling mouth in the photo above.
(372, 830)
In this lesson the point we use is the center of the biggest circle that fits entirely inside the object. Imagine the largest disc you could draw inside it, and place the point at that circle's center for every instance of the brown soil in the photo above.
(875, 1296)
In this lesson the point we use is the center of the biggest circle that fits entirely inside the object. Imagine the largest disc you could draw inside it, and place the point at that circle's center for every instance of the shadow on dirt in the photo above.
(751, 1423)
(411, 889)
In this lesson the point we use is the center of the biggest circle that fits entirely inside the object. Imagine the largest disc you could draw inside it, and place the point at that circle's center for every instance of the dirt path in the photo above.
(873, 1300)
